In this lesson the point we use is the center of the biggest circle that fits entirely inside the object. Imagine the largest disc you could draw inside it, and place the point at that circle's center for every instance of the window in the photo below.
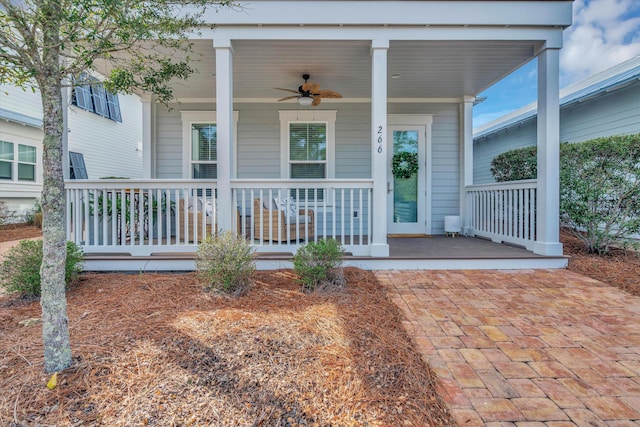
(77, 169)
(308, 145)
(200, 144)
(307, 150)
(204, 159)
(17, 161)
(26, 163)
(6, 160)
(92, 96)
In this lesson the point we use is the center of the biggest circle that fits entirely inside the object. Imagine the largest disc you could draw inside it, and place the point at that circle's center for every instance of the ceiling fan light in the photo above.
(305, 101)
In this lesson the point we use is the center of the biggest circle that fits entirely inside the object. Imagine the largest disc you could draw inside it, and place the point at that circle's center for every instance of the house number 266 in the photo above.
(379, 139)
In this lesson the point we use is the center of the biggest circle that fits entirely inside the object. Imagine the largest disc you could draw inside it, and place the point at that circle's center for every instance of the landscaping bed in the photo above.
(155, 349)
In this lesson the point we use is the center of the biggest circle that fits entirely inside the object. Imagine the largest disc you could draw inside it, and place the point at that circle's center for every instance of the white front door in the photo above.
(406, 205)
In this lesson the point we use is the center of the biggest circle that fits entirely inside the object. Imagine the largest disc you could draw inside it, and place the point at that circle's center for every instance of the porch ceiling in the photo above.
(428, 69)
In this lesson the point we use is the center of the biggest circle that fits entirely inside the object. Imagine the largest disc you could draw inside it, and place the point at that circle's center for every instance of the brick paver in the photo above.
(525, 348)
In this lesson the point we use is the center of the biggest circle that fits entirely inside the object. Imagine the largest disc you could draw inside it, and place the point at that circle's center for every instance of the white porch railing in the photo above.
(141, 217)
(340, 209)
(503, 212)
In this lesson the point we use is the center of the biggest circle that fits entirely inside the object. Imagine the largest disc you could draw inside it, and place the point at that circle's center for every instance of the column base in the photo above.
(380, 249)
(547, 248)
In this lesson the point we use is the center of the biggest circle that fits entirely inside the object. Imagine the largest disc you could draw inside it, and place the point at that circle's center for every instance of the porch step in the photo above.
(185, 261)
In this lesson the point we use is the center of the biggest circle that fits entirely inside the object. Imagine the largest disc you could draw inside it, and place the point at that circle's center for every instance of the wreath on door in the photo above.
(405, 164)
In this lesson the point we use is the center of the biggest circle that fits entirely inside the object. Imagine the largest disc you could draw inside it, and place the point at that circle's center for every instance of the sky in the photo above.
(604, 33)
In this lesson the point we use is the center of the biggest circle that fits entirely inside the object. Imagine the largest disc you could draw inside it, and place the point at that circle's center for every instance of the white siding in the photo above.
(21, 101)
(110, 148)
(259, 145)
(616, 113)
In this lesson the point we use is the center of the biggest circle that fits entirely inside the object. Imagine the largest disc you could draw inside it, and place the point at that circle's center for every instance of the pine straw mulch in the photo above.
(11, 232)
(155, 349)
(620, 268)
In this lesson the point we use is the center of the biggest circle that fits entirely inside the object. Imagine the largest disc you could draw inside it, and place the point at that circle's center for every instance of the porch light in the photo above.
(305, 101)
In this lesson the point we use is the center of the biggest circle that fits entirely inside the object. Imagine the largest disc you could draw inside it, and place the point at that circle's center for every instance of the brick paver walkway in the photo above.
(525, 348)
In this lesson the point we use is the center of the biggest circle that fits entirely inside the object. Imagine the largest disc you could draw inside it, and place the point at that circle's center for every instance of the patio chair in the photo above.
(202, 213)
(287, 221)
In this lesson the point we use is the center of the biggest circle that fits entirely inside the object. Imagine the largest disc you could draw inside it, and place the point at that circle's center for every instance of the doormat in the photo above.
(391, 236)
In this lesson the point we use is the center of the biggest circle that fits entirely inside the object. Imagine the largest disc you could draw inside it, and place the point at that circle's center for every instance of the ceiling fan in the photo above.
(309, 93)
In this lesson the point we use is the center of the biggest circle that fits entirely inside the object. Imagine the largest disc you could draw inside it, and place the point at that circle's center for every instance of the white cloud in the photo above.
(604, 33)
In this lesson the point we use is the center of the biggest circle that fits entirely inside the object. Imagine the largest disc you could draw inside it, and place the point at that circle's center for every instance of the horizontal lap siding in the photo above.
(614, 114)
(109, 148)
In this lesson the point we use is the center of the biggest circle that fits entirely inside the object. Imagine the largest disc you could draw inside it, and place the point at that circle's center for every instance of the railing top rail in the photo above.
(510, 185)
(123, 184)
(301, 183)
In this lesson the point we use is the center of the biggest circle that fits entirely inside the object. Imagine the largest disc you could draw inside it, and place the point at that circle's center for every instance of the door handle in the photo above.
(389, 189)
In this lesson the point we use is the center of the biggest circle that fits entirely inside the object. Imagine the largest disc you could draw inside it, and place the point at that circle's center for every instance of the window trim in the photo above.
(190, 118)
(15, 162)
(294, 116)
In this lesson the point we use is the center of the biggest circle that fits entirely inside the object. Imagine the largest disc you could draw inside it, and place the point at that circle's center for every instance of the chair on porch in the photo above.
(203, 212)
(287, 221)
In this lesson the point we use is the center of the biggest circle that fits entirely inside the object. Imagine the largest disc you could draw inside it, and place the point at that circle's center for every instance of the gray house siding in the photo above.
(258, 154)
(616, 113)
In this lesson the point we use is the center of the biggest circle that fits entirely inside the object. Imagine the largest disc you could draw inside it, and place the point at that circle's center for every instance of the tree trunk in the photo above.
(55, 323)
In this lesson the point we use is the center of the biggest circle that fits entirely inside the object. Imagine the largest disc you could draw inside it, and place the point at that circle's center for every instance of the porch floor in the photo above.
(408, 253)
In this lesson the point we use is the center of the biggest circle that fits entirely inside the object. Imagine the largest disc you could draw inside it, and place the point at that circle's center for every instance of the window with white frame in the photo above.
(308, 146)
(204, 150)
(17, 162)
(200, 144)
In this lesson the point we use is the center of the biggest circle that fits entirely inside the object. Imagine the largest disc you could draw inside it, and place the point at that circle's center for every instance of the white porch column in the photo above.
(379, 48)
(66, 95)
(146, 136)
(548, 199)
(224, 123)
(466, 159)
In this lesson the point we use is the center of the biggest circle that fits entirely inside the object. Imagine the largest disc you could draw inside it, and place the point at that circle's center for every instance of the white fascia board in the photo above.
(550, 35)
(403, 13)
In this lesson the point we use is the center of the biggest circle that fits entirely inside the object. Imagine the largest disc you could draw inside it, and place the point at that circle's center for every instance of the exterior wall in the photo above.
(19, 196)
(616, 113)
(20, 101)
(109, 148)
(258, 153)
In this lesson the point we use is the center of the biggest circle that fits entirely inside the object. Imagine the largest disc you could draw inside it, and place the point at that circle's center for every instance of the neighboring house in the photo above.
(228, 155)
(605, 104)
(104, 140)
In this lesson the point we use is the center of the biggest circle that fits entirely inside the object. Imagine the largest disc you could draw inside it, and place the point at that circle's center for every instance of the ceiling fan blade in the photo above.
(316, 101)
(311, 87)
(328, 94)
(288, 90)
(287, 97)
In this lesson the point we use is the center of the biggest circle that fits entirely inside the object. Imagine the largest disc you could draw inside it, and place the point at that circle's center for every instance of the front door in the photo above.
(406, 187)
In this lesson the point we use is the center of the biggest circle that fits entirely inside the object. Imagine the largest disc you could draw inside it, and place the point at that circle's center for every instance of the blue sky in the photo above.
(604, 33)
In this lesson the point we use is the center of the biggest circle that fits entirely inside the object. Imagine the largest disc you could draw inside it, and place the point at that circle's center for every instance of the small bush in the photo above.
(319, 263)
(514, 165)
(225, 263)
(20, 269)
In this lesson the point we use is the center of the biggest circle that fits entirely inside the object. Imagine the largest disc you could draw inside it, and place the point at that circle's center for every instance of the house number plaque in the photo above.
(379, 139)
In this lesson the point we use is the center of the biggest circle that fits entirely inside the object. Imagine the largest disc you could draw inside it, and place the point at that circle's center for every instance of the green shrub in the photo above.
(225, 263)
(319, 263)
(515, 165)
(600, 190)
(20, 269)
(599, 187)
